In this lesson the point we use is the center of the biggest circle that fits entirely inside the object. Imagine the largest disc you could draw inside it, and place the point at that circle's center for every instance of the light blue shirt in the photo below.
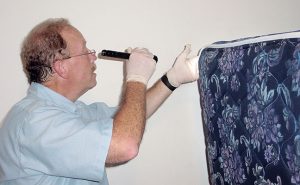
(46, 139)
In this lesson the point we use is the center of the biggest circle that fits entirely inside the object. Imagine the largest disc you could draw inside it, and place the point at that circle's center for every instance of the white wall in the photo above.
(173, 149)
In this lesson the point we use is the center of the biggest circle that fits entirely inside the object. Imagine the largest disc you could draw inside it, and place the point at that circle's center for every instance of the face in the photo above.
(81, 67)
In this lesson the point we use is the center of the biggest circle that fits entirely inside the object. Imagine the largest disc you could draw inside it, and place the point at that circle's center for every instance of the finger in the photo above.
(186, 51)
(143, 51)
(128, 50)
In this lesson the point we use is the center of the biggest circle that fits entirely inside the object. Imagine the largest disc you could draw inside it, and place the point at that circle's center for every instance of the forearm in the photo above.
(184, 70)
(129, 124)
(155, 97)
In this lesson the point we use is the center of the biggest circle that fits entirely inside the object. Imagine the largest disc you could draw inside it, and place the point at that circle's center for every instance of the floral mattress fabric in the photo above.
(250, 99)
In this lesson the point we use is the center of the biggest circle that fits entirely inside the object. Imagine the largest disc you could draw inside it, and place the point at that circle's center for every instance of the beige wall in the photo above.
(173, 149)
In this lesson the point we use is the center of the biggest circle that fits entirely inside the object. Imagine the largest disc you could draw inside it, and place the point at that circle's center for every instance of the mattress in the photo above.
(250, 106)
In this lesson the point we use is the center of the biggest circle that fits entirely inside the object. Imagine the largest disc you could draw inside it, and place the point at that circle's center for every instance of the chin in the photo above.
(93, 84)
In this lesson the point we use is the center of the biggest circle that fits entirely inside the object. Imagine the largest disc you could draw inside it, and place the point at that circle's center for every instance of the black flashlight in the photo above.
(118, 54)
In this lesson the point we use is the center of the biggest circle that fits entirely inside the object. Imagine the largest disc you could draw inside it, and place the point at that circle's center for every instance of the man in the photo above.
(50, 137)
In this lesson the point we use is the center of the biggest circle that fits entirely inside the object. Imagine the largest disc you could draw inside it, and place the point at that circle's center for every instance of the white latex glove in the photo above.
(184, 69)
(140, 65)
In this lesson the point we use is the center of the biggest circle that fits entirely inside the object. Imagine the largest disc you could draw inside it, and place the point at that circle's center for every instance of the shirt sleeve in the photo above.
(59, 143)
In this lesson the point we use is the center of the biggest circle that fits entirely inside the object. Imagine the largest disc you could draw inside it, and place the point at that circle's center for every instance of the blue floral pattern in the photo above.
(250, 99)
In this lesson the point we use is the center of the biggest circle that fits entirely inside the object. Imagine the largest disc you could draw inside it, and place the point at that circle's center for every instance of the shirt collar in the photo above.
(47, 94)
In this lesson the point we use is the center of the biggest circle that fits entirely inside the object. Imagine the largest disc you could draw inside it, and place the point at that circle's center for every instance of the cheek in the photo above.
(78, 73)
(85, 72)
(82, 70)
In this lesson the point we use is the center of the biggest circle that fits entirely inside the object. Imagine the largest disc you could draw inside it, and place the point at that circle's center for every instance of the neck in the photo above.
(65, 90)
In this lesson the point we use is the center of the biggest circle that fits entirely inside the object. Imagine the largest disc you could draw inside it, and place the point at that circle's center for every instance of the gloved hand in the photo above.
(184, 69)
(140, 65)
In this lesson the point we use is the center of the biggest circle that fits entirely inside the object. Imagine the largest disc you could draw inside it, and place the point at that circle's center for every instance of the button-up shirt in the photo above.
(46, 139)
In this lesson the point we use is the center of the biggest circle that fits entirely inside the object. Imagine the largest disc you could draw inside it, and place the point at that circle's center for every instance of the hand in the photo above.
(184, 69)
(140, 65)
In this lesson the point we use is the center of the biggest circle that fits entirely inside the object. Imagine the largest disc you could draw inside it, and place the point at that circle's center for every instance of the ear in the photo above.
(60, 67)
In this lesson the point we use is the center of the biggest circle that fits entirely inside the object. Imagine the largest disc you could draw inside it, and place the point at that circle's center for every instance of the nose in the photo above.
(93, 57)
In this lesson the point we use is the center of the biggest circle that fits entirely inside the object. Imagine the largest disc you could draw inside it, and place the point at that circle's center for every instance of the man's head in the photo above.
(42, 46)
(55, 53)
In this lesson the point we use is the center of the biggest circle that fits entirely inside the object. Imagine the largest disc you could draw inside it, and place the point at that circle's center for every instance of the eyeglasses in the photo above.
(90, 52)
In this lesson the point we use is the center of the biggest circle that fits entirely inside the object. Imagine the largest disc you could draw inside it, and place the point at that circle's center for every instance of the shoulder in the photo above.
(99, 108)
